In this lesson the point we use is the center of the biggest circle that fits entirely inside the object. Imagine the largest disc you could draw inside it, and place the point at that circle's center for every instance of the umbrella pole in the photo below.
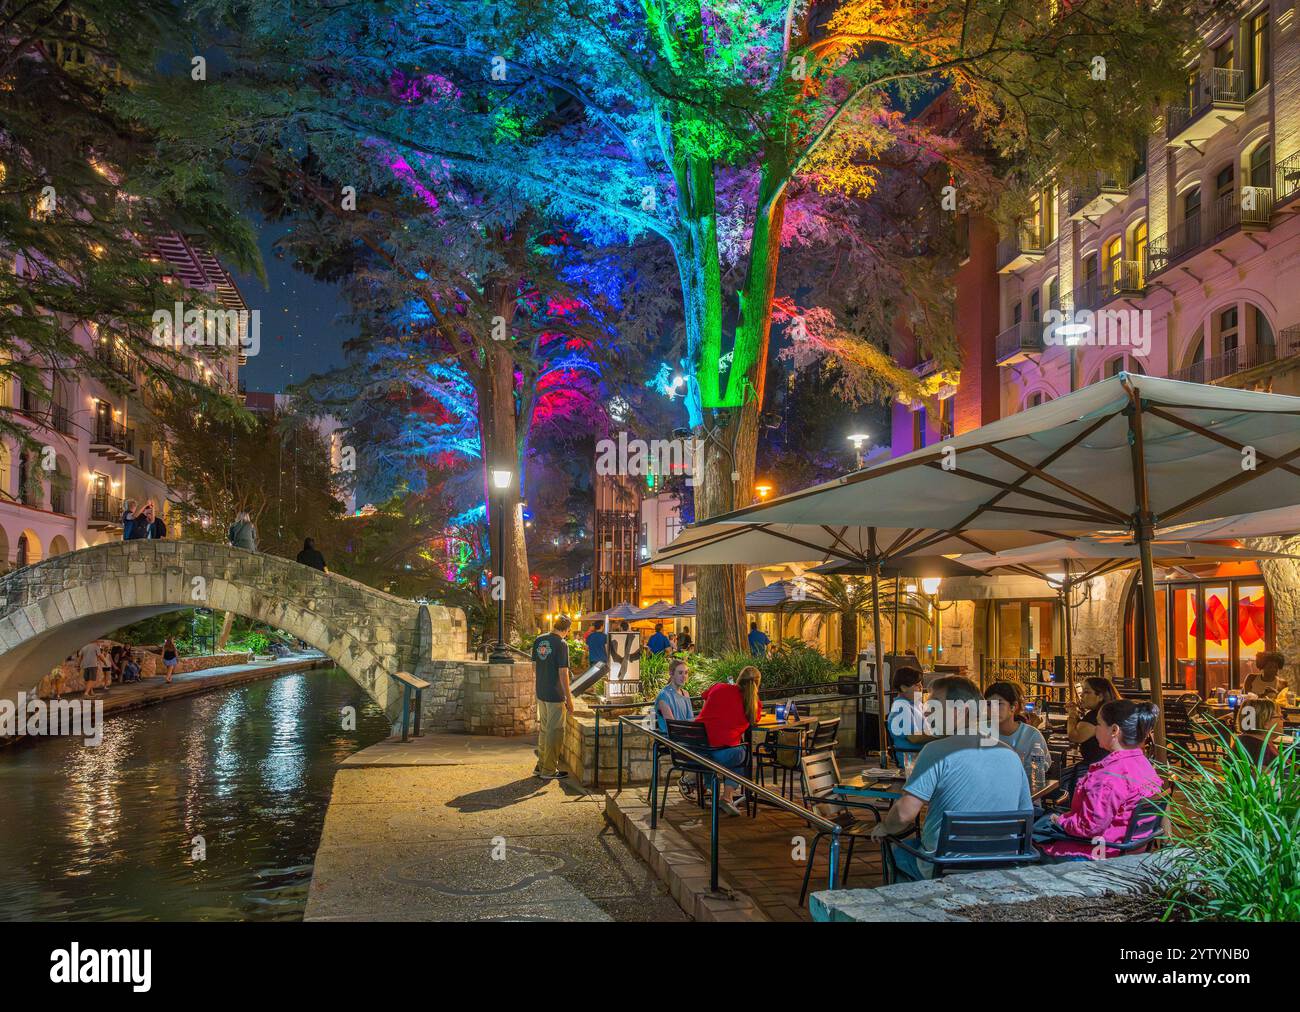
(894, 649)
(880, 657)
(1143, 531)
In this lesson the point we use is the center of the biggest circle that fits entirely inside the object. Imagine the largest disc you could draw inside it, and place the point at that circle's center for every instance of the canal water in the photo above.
(109, 832)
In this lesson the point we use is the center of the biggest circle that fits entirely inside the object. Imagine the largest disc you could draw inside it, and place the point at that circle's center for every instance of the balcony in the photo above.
(1094, 198)
(1087, 296)
(1256, 207)
(1024, 248)
(1019, 341)
(1125, 277)
(113, 441)
(1287, 183)
(1214, 100)
(1239, 360)
(109, 353)
(105, 512)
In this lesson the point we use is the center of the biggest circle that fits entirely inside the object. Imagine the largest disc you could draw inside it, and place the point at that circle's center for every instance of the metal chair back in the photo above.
(970, 838)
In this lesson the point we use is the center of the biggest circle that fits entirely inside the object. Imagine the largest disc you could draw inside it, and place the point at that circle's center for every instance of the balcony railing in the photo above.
(1237, 360)
(1222, 88)
(1021, 249)
(1018, 340)
(1256, 205)
(1288, 178)
(1125, 277)
(1087, 295)
(113, 434)
(105, 508)
(1096, 196)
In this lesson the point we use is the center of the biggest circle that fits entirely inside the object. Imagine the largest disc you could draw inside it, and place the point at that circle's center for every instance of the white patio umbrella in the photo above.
(1132, 453)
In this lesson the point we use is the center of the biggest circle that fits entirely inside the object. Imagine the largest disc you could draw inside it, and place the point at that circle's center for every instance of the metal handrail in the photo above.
(787, 692)
(752, 789)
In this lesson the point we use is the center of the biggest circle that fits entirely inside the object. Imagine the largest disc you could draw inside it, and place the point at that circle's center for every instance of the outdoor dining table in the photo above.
(768, 722)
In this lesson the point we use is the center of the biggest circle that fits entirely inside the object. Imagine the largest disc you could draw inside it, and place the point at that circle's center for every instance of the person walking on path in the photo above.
(170, 657)
(309, 556)
(89, 661)
(242, 532)
(554, 700)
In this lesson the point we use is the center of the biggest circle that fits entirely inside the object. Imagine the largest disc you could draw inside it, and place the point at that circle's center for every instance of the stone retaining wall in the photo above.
(934, 900)
(477, 697)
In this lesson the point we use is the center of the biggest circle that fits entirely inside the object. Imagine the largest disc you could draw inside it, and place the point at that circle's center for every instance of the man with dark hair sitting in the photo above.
(964, 771)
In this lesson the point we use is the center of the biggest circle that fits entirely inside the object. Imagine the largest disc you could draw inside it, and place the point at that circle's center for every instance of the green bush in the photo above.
(795, 663)
(256, 643)
(1235, 826)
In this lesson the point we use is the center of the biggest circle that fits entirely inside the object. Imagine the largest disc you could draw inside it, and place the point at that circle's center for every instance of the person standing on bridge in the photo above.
(242, 532)
(128, 519)
(551, 671)
(147, 525)
(310, 556)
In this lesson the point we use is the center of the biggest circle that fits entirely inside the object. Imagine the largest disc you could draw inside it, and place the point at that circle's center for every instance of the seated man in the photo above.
(965, 771)
(131, 670)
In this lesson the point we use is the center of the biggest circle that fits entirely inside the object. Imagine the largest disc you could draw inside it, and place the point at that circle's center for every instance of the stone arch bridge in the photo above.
(54, 607)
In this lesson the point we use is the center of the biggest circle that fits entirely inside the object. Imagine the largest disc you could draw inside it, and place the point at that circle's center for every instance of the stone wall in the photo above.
(499, 699)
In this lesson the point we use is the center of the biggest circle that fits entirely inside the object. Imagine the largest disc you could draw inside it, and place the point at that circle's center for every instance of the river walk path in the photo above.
(455, 827)
(149, 691)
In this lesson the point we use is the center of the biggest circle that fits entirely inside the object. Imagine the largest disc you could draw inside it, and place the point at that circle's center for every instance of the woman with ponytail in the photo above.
(1110, 790)
(728, 712)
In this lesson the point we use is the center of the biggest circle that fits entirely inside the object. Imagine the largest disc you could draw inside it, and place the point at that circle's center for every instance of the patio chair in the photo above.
(968, 841)
(1146, 829)
(779, 752)
(829, 797)
(1183, 729)
(695, 736)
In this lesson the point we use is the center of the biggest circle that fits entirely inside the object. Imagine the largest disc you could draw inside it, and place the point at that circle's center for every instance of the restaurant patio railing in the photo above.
(752, 790)
(1041, 668)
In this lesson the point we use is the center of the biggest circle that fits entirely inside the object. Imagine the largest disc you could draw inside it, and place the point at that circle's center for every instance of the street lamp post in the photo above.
(859, 440)
(500, 654)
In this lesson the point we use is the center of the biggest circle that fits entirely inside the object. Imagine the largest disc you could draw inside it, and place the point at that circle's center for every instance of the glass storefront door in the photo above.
(1209, 632)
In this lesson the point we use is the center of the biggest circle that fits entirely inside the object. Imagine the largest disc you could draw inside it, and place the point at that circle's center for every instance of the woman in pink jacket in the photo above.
(1110, 790)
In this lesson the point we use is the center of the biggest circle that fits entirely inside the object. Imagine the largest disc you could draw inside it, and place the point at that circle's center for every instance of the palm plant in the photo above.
(850, 598)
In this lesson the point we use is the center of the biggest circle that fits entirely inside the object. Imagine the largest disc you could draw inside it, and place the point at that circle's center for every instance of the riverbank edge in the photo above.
(199, 682)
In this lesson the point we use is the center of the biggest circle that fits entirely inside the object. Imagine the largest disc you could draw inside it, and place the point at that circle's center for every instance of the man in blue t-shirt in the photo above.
(758, 641)
(966, 771)
(551, 670)
(596, 640)
(658, 643)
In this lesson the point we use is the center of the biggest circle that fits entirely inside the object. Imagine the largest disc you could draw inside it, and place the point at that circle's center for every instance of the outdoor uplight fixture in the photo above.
(764, 490)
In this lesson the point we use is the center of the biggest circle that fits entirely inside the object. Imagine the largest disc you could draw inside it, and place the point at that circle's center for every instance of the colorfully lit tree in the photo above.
(732, 130)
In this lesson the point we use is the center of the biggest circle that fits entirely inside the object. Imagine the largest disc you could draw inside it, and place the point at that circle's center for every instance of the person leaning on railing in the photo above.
(729, 711)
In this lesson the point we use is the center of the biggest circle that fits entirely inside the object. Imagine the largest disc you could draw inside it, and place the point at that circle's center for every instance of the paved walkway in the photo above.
(455, 828)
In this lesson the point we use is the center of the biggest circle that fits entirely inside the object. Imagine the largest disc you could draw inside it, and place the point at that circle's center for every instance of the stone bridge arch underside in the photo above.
(52, 608)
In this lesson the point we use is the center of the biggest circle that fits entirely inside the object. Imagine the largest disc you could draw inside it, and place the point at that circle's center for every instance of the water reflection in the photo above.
(107, 832)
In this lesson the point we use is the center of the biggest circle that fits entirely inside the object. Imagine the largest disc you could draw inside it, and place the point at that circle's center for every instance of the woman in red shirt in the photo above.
(728, 712)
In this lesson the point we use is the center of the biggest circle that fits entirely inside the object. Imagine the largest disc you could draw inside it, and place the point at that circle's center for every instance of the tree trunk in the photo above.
(727, 481)
(849, 639)
(498, 437)
(226, 623)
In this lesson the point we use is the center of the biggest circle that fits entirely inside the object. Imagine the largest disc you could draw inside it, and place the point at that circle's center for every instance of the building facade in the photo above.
(1187, 266)
(100, 444)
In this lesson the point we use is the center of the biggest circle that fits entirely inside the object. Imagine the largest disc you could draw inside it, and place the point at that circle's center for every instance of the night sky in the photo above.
(303, 321)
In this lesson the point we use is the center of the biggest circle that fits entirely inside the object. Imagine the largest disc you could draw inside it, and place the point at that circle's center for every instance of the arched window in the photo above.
(1138, 252)
(1110, 256)
(1261, 165)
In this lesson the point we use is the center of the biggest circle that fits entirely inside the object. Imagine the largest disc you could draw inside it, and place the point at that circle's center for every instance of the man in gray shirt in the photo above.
(963, 772)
